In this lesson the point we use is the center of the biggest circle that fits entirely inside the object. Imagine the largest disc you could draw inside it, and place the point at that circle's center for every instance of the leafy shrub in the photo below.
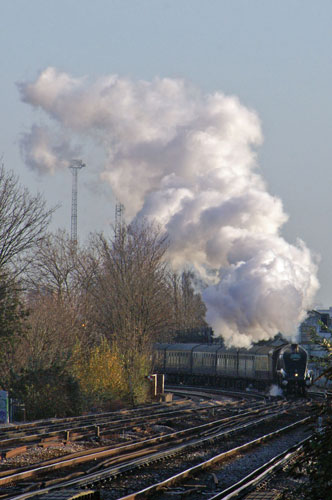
(99, 373)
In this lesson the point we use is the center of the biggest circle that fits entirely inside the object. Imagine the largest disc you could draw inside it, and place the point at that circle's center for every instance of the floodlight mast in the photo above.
(119, 219)
(75, 166)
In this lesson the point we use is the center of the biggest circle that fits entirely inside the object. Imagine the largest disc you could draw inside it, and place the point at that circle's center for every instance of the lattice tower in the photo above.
(74, 166)
(119, 214)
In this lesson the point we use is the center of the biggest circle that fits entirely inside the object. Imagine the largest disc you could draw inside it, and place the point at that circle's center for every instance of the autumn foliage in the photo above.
(100, 373)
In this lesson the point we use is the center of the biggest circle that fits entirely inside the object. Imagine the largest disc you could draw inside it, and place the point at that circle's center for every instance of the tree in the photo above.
(132, 284)
(132, 296)
(41, 361)
(23, 221)
(12, 318)
(54, 267)
(100, 374)
(51, 332)
(188, 307)
(50, 392)
(64, 271)
(11, 310)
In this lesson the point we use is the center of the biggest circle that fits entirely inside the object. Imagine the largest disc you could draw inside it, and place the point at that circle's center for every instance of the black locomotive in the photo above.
(292, 369)
(283, 364)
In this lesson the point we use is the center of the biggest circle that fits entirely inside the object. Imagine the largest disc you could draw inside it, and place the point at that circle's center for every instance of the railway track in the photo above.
(238, 490)
(214, 392)
(101, 452)
(123, 459)
(260, 476)
(210, 476)
(15, 439)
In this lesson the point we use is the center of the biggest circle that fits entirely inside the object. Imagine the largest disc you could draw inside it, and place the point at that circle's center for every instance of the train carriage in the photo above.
(227, 362)
(204, 359)
(178, 359)
(263, 363)
(246, 368)
(259, 366)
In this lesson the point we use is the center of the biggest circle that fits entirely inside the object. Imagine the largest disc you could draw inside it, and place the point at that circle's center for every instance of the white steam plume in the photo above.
(188, 161)
(46, 152)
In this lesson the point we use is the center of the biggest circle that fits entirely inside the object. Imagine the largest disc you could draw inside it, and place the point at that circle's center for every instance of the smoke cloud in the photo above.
(45, 152)
(188, 160)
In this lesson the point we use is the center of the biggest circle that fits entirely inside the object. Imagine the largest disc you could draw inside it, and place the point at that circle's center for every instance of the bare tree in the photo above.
(132, 283)
(193, 307)
(132, 307)
(66, 273)
(23, 221)
(188, 308)
(51, 333)
(54, 266)
(88, 266)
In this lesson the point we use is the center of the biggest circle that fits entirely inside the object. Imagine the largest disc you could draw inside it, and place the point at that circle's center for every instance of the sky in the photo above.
(274, 56)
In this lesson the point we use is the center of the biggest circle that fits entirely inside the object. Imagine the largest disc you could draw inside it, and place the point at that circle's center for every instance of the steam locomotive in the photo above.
(285, 365)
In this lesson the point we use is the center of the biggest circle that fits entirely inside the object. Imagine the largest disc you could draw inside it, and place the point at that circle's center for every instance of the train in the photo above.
(260, 367)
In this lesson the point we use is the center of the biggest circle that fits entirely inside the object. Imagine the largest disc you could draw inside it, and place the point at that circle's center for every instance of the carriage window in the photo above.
(295, 357)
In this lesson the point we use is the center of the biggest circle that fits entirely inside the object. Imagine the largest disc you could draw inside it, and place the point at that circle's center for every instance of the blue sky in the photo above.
(275, 56)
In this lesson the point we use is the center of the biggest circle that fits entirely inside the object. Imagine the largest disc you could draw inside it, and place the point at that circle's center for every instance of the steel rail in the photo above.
(111, 426)
(77, 424)
(63, 424)
(216, 391)
(58, 428)
(210, 463)
(51, 421)
(248, 483)
(73, 434)
(114, 471)
(95, 454)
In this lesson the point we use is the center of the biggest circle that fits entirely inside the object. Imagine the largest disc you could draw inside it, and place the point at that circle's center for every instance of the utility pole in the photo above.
(75, 166)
